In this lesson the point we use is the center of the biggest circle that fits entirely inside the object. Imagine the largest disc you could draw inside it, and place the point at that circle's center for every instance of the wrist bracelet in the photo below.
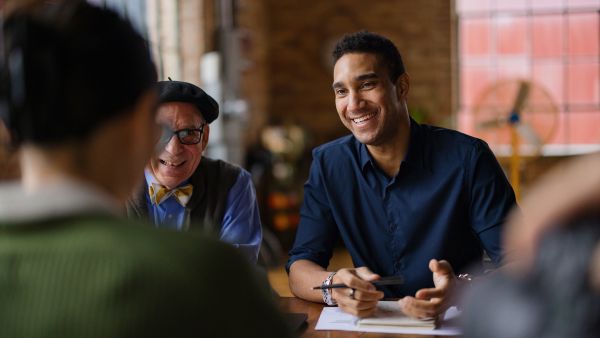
(465, 277)
(327, 299)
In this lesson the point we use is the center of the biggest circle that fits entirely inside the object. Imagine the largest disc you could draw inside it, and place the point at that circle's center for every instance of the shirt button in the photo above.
(170, 216)
(398, 265)
(392, 227)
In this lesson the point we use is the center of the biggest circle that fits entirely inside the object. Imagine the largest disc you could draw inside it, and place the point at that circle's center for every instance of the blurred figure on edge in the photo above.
(550, 286)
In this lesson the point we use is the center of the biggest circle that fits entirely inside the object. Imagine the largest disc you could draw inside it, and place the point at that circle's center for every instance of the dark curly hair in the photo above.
(367, 42)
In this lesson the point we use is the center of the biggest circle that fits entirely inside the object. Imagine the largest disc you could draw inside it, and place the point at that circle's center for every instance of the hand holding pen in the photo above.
(361, 300)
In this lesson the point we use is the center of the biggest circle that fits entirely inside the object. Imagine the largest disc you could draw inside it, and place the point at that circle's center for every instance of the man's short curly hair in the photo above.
(367, 42)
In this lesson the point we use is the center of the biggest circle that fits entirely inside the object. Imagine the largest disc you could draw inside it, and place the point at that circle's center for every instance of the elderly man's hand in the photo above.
(431, 302)
(362, 297)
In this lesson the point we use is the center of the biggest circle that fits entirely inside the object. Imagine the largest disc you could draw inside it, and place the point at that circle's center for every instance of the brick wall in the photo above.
(180, 33)
(289, 79)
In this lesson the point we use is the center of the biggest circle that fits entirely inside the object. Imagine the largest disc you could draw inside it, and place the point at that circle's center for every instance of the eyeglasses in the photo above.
(187, 136)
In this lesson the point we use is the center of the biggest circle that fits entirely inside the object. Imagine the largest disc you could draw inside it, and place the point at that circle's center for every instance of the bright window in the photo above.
(550, 45)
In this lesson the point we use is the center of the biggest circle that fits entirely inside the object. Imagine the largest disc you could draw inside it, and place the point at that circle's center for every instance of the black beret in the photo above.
(178, 91)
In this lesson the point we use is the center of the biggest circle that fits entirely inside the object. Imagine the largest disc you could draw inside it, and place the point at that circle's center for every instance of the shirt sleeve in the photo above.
(317, 232)
(492, 198)
(241, 222)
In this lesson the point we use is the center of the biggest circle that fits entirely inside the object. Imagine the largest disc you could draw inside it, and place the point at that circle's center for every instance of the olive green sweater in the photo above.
(95, 275)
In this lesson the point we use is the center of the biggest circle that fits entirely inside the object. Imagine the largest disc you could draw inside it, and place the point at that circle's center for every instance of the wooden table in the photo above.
(313, 310)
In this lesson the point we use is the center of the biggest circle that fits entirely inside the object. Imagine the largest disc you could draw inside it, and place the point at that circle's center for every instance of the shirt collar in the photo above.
(149, 177)
(62, 197)
(414, 155)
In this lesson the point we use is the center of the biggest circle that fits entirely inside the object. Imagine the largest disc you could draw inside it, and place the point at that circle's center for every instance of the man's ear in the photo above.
(205, 135)
(402, 86)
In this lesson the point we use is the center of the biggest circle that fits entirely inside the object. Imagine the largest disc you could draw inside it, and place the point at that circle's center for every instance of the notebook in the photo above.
(388, 314)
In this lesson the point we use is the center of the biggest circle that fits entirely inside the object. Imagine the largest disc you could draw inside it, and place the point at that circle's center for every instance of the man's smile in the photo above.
(363, 119)
(171, 164)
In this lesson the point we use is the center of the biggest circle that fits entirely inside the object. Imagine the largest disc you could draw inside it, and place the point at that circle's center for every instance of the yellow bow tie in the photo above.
(160, 193)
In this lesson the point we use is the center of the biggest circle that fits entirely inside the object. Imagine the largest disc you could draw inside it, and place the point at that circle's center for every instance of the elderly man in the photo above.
(78, 98)
(407, 199)
(184, 190)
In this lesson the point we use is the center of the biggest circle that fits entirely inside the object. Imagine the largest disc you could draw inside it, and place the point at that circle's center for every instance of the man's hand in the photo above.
(361, 302)
(431, 302)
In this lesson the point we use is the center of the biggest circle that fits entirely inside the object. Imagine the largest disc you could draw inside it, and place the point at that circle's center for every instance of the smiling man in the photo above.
(184, 190)
(406, 199)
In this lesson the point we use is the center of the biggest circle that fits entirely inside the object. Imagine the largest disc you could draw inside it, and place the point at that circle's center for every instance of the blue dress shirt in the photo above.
(448, 201)
(241, 222)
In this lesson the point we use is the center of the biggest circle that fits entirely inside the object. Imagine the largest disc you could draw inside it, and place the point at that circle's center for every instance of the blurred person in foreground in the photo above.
(186, 191)
(406, 199)
(9, 161)
(550, 286)
(78, 98)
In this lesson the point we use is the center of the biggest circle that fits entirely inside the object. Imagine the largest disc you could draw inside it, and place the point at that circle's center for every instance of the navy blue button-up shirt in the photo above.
(448, 201)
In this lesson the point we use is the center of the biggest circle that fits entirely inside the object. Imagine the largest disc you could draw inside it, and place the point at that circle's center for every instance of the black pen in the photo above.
(393, 280)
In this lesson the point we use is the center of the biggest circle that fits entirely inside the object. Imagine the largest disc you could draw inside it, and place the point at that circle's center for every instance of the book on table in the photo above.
(388, 313)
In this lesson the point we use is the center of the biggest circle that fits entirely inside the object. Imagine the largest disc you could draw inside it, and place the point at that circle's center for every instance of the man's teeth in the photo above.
(363, 118)
(170, 164)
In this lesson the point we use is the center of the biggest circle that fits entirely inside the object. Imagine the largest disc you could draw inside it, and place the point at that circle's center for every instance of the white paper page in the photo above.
(332, 318)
